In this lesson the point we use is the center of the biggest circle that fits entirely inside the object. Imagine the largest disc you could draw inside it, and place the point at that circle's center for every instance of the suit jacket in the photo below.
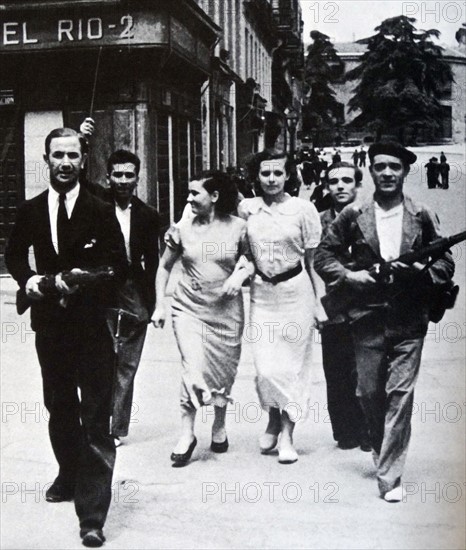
(95, 240)
(144, 247)
(354, 231)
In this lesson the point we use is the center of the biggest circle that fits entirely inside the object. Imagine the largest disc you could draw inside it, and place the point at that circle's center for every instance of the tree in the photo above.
(322, 68)
(401, 77)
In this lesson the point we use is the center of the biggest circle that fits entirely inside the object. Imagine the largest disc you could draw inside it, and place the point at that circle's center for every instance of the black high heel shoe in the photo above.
(219, 447)
(180, 460)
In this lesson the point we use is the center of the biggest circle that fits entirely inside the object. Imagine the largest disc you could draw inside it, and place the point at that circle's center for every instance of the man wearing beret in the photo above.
(389, 319)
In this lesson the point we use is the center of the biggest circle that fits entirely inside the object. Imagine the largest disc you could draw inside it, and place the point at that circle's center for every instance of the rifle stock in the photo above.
(341, 299)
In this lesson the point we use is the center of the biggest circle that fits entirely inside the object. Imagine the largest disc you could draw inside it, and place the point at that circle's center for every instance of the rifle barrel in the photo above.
(435, 247)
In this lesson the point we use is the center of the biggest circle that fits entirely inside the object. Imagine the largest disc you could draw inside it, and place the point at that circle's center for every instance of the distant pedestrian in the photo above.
(432, 168)
(444, 170)
(336, 157)
(443, 158)
(307, 173)
(355, 157)
(362, 157)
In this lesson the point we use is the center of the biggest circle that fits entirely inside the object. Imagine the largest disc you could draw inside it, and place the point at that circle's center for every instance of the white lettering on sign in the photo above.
(27, 40)
(9, 29)
(16, 33)
(65, 26)
(19, 32)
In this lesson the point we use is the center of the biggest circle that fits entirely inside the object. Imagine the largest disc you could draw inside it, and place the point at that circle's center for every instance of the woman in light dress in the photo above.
(283, 232)
(207, 305)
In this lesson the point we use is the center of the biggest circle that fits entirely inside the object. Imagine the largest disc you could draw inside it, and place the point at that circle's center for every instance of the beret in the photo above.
(393, 149)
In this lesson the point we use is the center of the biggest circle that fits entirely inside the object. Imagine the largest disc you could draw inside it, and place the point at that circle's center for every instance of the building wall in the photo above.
(228, 133)
(456, 101)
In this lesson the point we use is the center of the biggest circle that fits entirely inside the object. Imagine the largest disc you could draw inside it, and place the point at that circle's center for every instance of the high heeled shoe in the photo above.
(181, 459)
(219, 447)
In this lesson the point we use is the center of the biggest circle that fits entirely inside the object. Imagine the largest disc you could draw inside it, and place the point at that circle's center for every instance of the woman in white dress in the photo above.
(283, 232)
(207, 305)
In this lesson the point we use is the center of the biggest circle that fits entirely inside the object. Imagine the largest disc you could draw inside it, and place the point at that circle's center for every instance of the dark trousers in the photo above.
(129, 355)
(387, 367)
(129, 322)
(339, 365)
(79, 427)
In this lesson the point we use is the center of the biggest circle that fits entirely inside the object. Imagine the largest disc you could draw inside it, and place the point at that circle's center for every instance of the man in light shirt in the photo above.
(70, 229)
(139, 224)
(389, 320)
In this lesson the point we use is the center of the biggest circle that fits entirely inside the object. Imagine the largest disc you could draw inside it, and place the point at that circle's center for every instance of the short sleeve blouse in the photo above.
(280, 233)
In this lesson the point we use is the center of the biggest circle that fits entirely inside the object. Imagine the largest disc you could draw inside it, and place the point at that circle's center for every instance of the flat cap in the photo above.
(393, 149)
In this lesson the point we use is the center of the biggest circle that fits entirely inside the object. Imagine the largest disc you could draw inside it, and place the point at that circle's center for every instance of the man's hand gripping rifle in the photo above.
(341, 298)
(66, 282)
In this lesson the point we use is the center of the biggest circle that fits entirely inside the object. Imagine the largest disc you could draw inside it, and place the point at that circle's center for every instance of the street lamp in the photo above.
(291, 123)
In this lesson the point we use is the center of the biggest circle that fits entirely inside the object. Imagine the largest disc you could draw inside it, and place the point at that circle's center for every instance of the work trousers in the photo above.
(387, 367)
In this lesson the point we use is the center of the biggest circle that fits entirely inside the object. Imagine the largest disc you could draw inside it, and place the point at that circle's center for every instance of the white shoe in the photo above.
(288, 455)
(267, 442)
(395, 495)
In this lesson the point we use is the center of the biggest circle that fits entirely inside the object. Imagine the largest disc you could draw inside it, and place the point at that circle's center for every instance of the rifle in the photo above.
(340, 299)
(47, 284)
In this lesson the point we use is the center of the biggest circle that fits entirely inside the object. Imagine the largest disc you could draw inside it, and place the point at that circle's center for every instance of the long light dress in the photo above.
(281, 315)
(208, 327)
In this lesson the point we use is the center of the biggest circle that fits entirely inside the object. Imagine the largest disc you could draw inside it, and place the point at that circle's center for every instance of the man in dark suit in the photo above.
(140, 227)
(71, 230)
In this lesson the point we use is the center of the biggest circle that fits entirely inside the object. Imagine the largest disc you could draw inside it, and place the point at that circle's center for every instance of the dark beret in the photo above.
(393, 149)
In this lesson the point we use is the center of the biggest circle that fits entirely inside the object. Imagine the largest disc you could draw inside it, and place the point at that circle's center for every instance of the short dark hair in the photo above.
(122, 156)
(344, 164)
(65, 132)
(216, 180)
(254, 163)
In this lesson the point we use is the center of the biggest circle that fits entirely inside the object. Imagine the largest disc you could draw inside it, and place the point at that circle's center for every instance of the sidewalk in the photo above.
(241, 499)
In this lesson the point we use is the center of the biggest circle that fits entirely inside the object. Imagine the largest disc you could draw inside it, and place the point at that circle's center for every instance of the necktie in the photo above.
(62, 224)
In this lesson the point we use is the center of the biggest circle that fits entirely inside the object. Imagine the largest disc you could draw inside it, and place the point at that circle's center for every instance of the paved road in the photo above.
(328, 499)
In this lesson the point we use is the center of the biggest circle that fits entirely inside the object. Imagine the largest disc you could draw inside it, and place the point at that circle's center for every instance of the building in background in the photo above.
(452, 129)
(255, 81)
(186, 84)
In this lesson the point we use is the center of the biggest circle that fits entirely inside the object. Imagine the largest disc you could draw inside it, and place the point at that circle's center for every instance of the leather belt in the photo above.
(281, 276)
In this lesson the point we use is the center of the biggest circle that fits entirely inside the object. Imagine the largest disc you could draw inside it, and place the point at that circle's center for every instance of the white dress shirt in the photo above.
(53, 202)
(124, 219)
(389, 225)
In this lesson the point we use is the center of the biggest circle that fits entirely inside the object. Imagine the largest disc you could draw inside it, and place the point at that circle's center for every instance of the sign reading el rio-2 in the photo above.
(112, 29)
